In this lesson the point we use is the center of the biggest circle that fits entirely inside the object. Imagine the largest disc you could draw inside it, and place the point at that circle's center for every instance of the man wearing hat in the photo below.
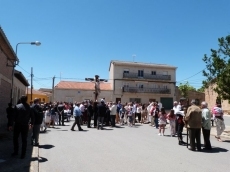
(193, 119)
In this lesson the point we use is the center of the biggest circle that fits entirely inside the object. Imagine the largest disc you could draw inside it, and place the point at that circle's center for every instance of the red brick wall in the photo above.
(5, 88)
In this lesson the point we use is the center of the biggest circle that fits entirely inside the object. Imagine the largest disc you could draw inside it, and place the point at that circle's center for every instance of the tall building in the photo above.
(143, 82)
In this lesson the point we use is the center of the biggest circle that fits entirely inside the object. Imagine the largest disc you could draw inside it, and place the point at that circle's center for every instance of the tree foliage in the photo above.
(217, 70)
(185, 88)
(201, 89)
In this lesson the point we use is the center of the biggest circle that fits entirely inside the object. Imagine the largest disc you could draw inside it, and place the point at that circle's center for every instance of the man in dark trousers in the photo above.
(60, 110)
(89, 113)
(10, 113)
(77, 115)
(193, 119)
(38, 119)
(23, 120)
(101, 114)
(206, 125)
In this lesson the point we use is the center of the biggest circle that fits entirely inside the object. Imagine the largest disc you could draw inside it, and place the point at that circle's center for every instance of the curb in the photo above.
(34, 165)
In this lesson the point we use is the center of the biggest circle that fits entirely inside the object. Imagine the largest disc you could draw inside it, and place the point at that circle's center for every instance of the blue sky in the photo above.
(80, 38)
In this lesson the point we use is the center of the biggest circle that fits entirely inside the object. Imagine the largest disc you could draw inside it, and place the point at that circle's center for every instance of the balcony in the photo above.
(147, 90)
(147, 76)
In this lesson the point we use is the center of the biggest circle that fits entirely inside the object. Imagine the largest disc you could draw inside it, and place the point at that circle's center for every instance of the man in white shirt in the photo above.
(160, 105)
(176, 107)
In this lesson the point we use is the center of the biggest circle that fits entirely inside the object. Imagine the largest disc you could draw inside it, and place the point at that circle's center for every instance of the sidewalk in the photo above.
(12, 164)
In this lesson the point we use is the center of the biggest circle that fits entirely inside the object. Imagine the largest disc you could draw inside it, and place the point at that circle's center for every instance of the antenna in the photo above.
(134, 55)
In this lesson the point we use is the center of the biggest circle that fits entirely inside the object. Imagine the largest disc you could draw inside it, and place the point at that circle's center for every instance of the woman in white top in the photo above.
(48, 117)
(130, 115)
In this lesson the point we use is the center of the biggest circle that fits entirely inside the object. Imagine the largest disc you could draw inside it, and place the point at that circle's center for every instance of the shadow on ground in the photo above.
(46, 146)
(12, 164)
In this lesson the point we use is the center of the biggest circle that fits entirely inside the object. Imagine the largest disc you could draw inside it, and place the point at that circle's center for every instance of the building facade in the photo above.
(20, 86)
(45, 97)
(211, 97)
(143, 82)
(198, 96)
(128, 82)
(7, 60)
(71, 91)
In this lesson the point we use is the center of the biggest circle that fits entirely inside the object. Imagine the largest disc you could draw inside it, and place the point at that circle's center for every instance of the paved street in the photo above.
(126, 149)
(227, 120)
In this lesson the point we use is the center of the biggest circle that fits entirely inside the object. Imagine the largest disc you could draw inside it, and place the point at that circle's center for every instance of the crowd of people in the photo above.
(38, 116)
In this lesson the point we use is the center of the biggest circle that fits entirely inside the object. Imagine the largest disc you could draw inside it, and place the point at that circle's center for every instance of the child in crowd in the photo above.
(130, 115)
(162, 121)
(122, 114)
(172, 122)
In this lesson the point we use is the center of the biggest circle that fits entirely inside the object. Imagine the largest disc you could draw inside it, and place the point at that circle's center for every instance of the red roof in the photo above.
(82, 85)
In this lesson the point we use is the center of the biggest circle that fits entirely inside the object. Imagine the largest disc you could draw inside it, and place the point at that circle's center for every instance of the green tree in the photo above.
(217, 70)
(201, 89)
(185, 88)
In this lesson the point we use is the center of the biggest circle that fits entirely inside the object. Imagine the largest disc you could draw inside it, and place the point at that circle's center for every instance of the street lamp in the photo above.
(37, 43)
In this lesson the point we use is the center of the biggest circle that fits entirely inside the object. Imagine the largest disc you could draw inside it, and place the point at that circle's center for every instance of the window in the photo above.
(126, 71)
(154, 85)
(140, 73)
(137, 100)
(165, 86)
(140, 85)
(153, 73)
(126, 84)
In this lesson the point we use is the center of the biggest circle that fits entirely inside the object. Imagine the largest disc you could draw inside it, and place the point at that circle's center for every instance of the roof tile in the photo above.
(82, 85)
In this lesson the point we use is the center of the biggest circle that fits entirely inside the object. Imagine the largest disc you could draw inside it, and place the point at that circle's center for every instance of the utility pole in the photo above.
(53, 90)
(31, 93)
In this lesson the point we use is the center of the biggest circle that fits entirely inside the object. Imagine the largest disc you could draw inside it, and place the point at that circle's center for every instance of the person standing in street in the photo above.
(206, 125)
(219, 120)
(193, 119)
(101, 114)
(89, 113)
(38, 119)
(60, 110)
(77, 115)
(113, 111)
(22, 120)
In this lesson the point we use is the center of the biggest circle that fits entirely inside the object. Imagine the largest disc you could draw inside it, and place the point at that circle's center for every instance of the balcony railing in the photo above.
(147, 76)
(147, 90)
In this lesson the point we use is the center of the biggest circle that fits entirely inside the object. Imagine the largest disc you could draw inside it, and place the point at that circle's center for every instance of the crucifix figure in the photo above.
(96, 82)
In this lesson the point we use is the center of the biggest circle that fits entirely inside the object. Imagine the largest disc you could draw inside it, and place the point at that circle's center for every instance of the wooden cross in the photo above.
(96, 81)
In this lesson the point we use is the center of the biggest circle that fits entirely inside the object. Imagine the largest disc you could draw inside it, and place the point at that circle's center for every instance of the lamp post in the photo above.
(37, 43)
